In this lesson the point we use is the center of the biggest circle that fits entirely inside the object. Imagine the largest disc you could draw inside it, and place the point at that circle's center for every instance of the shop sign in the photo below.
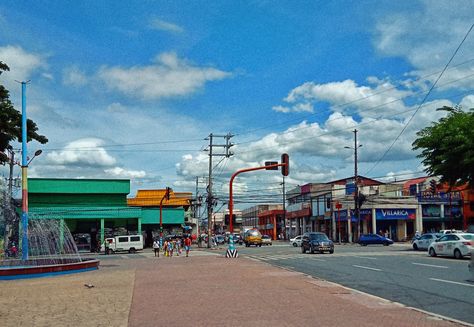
(427, 196)
(350, 188)
(388, 214)
(343, 215)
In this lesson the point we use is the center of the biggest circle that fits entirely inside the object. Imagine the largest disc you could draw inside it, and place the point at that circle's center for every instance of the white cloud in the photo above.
(116, 108)
(83, 152)
(427, 38)
(384, 97)
(74, 76)
(299, 107)
(162, 25)
(22, 64)
(169, 76)
(123, 173)
(467, 102)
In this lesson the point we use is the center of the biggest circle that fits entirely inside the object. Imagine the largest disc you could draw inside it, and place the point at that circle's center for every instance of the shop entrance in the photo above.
(388, 228)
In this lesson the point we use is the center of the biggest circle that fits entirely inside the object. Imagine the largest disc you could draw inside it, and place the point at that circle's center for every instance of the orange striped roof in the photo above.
(152, 198)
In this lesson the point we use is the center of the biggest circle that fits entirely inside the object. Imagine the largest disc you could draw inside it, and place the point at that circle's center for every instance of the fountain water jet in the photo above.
(52, 250)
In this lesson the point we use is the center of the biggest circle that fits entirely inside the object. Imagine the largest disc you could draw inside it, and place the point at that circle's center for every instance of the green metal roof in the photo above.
(148, 216)
(78, 186)
(84, 212)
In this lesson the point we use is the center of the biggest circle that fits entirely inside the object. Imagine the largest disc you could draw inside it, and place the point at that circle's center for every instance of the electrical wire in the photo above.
(422, 102)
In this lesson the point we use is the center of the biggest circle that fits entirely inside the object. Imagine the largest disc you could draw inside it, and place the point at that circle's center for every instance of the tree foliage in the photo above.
(447, 147)
(10, 122)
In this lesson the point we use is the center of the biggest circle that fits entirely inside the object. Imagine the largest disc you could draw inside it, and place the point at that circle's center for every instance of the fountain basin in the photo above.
(24, 270)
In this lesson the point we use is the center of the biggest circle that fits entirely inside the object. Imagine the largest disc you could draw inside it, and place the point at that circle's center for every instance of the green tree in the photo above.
(10, 122)
(447, 147)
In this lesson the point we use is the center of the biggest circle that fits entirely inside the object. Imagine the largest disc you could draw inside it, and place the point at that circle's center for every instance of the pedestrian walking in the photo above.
(187, 245)
(170, 248)
(178, 247)
(156, 247)
(165, 248)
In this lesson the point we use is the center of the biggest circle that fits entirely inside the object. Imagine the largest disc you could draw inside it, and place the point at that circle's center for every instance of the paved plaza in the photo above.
(205, 289)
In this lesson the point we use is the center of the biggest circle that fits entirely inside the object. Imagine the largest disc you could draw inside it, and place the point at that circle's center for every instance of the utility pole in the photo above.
(356, 194)
(284, 209)
(8, 200)
(210, 199)
(10, 175)
(196, 206)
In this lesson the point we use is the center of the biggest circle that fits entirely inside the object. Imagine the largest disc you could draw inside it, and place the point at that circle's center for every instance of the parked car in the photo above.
(266, 240)
(296, 241)
(367, 239)
(316, 242)
(424, 241)
(457, 245)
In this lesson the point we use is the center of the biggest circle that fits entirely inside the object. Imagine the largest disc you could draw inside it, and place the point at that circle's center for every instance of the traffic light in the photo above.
(433, 186)
(227, 220)
(285, 169)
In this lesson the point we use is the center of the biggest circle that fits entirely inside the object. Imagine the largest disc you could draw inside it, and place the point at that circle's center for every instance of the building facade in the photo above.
(94, 209)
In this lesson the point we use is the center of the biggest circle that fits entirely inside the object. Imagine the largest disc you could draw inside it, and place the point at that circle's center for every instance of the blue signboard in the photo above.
(427, 196)
(390, 214)
(350, 188)
(364, 215)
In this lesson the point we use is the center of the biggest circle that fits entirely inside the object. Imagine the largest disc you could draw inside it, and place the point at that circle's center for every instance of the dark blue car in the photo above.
(367, 239)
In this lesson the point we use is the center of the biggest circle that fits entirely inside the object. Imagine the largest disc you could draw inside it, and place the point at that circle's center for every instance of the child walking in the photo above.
(170, 248)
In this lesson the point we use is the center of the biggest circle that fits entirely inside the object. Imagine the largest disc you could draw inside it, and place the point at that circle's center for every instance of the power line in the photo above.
(346, 104)
(422, 102)
(343, 129)
(293, 130)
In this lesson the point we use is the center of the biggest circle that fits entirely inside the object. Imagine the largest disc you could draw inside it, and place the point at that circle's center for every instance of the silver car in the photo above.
(296, 241)
(424, 241)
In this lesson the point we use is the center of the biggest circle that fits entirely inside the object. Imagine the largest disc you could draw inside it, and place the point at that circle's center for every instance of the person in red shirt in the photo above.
(187, 245)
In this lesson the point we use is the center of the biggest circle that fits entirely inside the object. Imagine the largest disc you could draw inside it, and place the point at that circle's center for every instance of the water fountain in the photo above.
(52, 251)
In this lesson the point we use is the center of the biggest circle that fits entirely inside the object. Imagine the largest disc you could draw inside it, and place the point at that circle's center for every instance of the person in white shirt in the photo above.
(156, 247)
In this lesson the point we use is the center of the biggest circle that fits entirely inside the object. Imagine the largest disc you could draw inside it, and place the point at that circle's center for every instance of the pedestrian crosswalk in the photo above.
(324, 257)
(192, 253)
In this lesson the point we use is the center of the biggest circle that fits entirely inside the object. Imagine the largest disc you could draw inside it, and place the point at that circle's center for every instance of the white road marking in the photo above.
(427, 265)
(370, 268)
(451, 282)
(316, 259)
(370, 258)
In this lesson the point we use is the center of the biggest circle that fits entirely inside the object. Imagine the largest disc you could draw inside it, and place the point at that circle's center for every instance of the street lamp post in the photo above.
(24, 175)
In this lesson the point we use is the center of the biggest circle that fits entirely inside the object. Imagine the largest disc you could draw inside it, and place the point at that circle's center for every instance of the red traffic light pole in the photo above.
(231, 200)
(167, 196)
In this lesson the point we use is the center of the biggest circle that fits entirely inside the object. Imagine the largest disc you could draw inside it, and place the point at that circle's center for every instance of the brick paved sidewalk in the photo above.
(205, 289)
(215, 291)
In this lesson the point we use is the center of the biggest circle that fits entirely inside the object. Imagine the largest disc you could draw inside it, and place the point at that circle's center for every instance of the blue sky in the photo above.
(131, 89)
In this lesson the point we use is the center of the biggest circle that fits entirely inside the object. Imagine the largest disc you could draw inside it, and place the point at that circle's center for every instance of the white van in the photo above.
(130, 243)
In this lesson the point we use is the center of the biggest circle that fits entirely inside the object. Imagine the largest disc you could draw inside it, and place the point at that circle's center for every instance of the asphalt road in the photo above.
(439, 285)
